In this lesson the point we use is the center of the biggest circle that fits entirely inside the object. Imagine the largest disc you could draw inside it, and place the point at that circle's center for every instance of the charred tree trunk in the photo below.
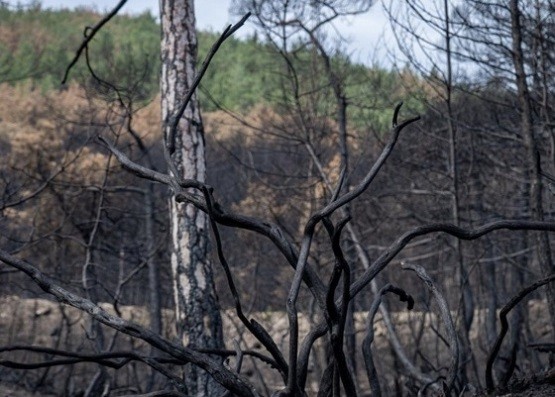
(198, 319)
(532, 170)
(154, 291)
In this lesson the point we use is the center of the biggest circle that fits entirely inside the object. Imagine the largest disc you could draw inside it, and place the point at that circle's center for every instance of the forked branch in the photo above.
(309, 233)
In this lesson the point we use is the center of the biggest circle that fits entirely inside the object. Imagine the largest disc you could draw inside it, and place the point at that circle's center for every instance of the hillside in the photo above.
(320, 204)
(37, 45)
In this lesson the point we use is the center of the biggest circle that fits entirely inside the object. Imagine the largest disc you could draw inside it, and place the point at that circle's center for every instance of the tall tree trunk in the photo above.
(198, 319)
(154, 291)
(464, 284)
(533, 157)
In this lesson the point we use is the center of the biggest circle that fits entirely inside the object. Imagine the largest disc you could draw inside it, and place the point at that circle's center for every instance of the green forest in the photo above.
(38, 44)
(357, 230)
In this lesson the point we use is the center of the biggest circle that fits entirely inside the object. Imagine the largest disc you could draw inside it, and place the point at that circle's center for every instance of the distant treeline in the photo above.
(37, 44)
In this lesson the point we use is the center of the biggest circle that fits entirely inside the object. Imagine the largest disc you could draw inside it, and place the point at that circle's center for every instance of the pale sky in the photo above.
(364, 32)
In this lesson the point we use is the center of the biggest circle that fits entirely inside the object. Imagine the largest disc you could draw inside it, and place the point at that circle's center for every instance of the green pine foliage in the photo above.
(37, 45)
(40, 43)
(241, 74)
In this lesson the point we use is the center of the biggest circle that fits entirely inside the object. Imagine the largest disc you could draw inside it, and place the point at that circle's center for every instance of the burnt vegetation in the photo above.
(359, 246)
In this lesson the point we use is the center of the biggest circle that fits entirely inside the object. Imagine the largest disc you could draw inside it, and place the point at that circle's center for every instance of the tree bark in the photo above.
(198, 319)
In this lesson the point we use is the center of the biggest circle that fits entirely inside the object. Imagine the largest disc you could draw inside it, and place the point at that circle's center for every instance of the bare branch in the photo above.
(254, 327)
(336, 320)
(446, 318)
(265, 228)
(464, 234)
(126, 356)
(369, 338)
(223, 37)
(238, 364)
(89, 34)
(222, 375)
(147, 173)
(505, 327)
(307, 241)
(161, 393)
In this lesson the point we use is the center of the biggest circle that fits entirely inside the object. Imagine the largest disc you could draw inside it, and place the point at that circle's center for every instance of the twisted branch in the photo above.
(367, 342)
(446, 318)
(505, 327)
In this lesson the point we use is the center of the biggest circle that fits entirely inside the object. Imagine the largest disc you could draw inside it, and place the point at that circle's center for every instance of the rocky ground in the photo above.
(45, 323)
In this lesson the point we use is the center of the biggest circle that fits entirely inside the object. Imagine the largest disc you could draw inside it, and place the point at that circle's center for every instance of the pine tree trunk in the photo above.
(197, 315)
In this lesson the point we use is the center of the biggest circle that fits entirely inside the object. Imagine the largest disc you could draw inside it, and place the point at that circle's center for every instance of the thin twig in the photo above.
(177, 117)
(89, 34)
(238, 363)
(446, 318)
